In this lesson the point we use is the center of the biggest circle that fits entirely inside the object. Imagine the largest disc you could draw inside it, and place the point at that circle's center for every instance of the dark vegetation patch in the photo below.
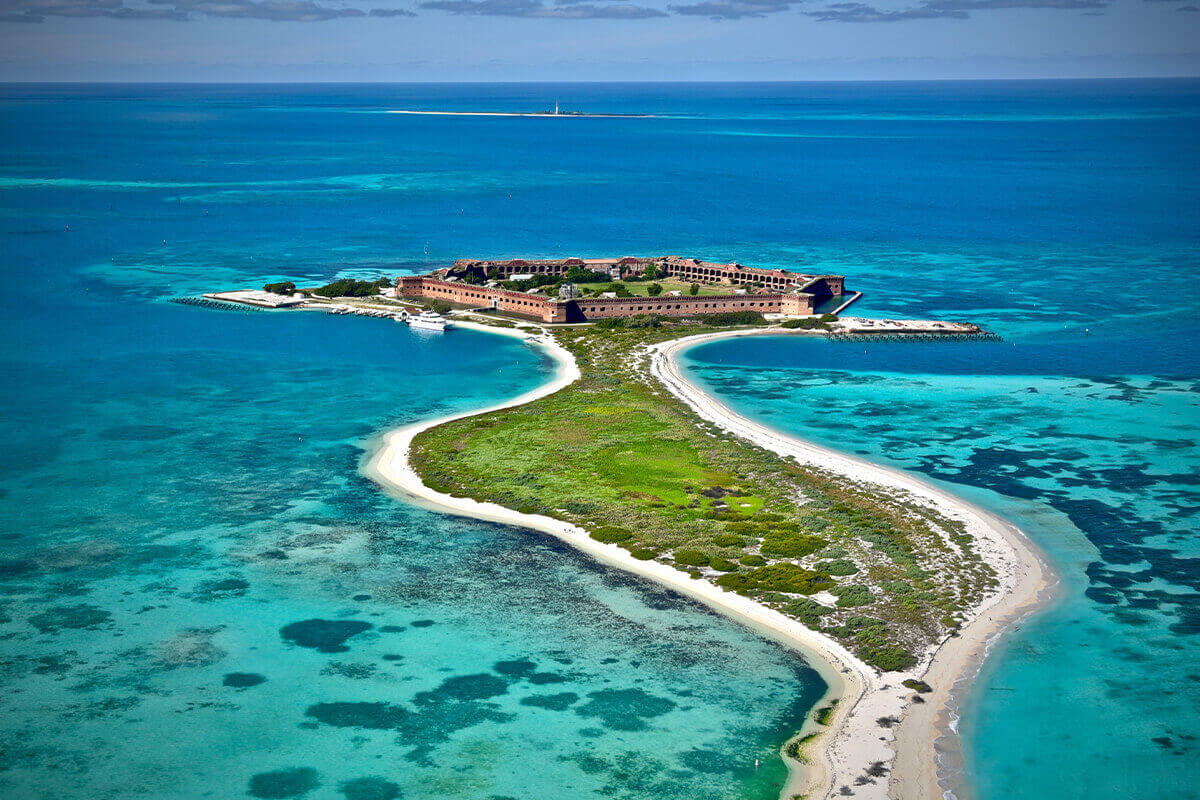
(243, 680)
(853, 595)
(324, 635)
(839, 567)
(517, 668)
(624, 709)
(610, 534)
(284, 783)
(423, 623)
(781, 577)
(223, 589)
(371, 716)
(77, 617)
(472, 687)
(551, 702)
(542, 678)
(369, 789)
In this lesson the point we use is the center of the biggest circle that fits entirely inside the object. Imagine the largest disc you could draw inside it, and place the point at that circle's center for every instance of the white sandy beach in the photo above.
(853, 741)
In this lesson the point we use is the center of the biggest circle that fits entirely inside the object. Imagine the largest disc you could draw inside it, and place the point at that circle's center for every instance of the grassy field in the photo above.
(617, 455)
(638, 288)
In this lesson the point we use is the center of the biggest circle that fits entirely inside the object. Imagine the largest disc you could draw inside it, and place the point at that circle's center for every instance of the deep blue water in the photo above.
(179, 489)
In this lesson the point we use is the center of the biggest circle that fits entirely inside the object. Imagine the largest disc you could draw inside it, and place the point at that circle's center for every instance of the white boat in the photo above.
(430, 321)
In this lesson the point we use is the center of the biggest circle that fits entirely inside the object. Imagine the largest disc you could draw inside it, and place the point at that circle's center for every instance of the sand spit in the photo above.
(859, 743)
(853, 745)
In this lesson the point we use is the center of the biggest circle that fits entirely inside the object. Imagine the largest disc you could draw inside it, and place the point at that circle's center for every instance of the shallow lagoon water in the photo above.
(188, 557)
(202, 597)
(1095, 697)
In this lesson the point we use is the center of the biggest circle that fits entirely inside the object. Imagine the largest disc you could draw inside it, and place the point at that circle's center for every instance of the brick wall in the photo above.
(583, 310)
(604, 307)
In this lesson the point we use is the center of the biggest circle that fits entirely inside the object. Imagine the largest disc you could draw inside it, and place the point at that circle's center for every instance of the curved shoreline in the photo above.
(1026, 583)
(852, 742)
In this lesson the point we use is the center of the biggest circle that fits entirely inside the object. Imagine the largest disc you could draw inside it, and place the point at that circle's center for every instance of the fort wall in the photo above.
(787, 292)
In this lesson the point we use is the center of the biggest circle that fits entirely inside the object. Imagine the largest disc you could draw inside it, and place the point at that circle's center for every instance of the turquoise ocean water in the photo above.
(200, 596)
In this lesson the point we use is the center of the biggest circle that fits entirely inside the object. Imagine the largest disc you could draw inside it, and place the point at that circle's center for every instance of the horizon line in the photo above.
(1025, 79)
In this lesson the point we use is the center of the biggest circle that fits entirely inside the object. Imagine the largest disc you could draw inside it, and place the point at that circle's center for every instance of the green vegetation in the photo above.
(616, 455)
(839, 567)
(820, 323)
(795, 748)
(825, 713)
(636, 321)
(853, 595)
(637, 287)
(348, 287)
(731, 318)
(920, 687)
(654, 289)
(692, 558)
(286, 287)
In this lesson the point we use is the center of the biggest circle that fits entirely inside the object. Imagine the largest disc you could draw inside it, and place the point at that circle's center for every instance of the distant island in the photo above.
(550, 112)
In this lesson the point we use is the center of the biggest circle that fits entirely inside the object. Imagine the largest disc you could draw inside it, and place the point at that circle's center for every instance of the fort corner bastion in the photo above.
(769, 291)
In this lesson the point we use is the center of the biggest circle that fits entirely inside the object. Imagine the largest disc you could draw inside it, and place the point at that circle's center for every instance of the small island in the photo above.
(890, 587)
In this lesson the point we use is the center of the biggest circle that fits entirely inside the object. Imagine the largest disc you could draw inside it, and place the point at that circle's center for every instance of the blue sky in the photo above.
(565, 40)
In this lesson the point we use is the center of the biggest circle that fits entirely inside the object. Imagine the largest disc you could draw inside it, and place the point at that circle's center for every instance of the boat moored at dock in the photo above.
(429, 321)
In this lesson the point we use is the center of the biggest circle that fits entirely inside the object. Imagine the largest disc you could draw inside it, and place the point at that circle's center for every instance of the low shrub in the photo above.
(918, 686)
(853, 595)
(723, 565)
(807, 611)
(729, 540)
(692, 558)
(839, 567)
(610, 534)
(805, 324)
(790, 545)
(752, 560)
(286, 287)
(643, 321)
(643, 553)
(788, 578)
(348, 287)
(889, 658)
(731, 318)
